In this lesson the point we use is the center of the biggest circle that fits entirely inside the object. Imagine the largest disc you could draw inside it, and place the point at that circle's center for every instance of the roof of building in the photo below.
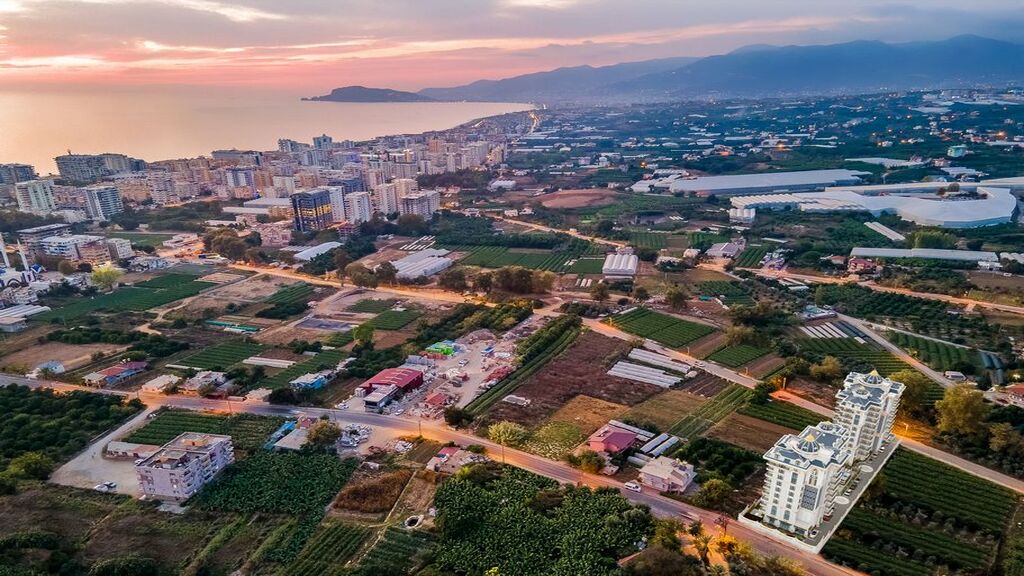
(668, 468)
(613, 437)
(817, 446)
(779, 180)
(867, 389)
(928, 253)
(310, 253)
(401, 377)
(620, 264)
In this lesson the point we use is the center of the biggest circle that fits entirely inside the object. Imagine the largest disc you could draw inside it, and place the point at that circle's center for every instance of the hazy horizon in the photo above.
(309, 46)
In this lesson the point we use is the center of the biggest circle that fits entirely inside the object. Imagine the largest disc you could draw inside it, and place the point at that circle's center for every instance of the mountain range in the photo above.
(759, 71)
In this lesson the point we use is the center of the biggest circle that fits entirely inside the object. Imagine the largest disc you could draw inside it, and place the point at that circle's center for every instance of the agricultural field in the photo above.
(668, 330)
(333, 544)
(555, 440)
(663, 410)
(938, 355)
(866, 303)
(580, 369)
(373, 305)
(708, 414)
(166, 281)
(847, 348)
(704, 240)
(278, 483)
(291, 294)
(782, 413)
(730, 293)
(747, 432)
(57, 425)
(394, 319)
(398, 551)
(651, 240)
(329, 358)
(221, 356)
(925, 514)
(587, 265)
(737, 355)
(126, 299)
(751, 257)
(247, 431)
(501, 256)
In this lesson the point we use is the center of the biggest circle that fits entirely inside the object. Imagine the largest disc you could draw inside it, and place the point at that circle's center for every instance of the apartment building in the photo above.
(866, 407)
(184, 465)
(35, 196)
(804, 476)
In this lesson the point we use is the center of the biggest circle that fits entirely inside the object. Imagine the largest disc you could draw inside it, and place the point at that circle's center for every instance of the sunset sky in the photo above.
(306, 45)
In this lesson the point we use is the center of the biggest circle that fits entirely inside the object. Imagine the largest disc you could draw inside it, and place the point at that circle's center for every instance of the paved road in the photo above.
(544, 228)
(559, 471)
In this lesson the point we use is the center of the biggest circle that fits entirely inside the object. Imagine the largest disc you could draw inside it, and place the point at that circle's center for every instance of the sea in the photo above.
(160, 123)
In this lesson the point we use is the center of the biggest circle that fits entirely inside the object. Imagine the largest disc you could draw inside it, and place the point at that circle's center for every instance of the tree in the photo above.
(640, 294)
(105, 276)
(457, 417)
(507, 433)
(30, 465)
(676, 297)
(324, 433)
(830, 368)
(600, 292)
(659, 561)
(543, 281)
(915, 392)
(962, 410)
(762, 393)
(363, 334)
(712, 493)
(66, 268)
(735, 335)
(702, 545)
(453, 279)
(483, 282)
(666, 533)
(1002, 436)
(361, 276)
(587, 461)
(387, 273)
(341, 261)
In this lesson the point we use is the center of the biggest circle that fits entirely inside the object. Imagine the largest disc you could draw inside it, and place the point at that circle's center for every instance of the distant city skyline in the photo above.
(311, 45)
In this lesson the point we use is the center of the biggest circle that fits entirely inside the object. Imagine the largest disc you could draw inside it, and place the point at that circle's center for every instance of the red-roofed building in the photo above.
(114, 374)
(405, 379)
(611, 440)
(861, 265)
(1015, 394)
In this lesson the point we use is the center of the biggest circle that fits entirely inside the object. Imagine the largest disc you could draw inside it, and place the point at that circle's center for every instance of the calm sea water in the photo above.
(159, 124)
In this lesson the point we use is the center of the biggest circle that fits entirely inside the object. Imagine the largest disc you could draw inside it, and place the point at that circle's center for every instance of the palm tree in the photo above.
(702, 544)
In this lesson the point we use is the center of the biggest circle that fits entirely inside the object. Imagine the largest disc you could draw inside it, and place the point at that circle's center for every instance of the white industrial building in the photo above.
(426, 262)
(184, 465)
(310, 253)
(620, 265)
(742, 215)
(925, 253)
(804, 476)
(916, 203)
(866, 407)
(767, 183)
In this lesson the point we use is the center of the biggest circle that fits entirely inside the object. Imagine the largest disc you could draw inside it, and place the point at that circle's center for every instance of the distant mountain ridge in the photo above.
(364, 94)
(751, 71)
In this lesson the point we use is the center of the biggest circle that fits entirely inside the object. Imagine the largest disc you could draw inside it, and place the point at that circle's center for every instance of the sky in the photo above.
(311, 46)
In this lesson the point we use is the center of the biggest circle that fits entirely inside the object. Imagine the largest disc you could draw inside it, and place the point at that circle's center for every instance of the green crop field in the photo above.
(730, 293)
(704, 240)
(394, 319)
(938, 355)
(167, 281)
(138, 239)
(587, 266)
(668, 330)
(501, 256)
(782, 413)
(221, 356)
(328, 358)
(247, 431)
(738, 355)
(652, 240)
(127, 299)
(927, 514)
(396, 551)
(331, 546)
(872, 357)
(751, 257)
(373, 305)
(291, 294)
(709, 413)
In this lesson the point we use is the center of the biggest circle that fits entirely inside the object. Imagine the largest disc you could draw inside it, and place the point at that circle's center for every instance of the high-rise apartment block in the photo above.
(184, 465)
(102, 201)
(35, 196)
(866, 407)
(423, 204)
(804, 476)
(312, 210)
(14, 173)
(358, 207)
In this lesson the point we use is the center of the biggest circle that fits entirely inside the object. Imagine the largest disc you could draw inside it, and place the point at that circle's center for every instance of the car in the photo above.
(341, 406)
(463, 362)
(110, 485)
(398, 412)
(632, 487)
(699, 364)
(814, 533)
